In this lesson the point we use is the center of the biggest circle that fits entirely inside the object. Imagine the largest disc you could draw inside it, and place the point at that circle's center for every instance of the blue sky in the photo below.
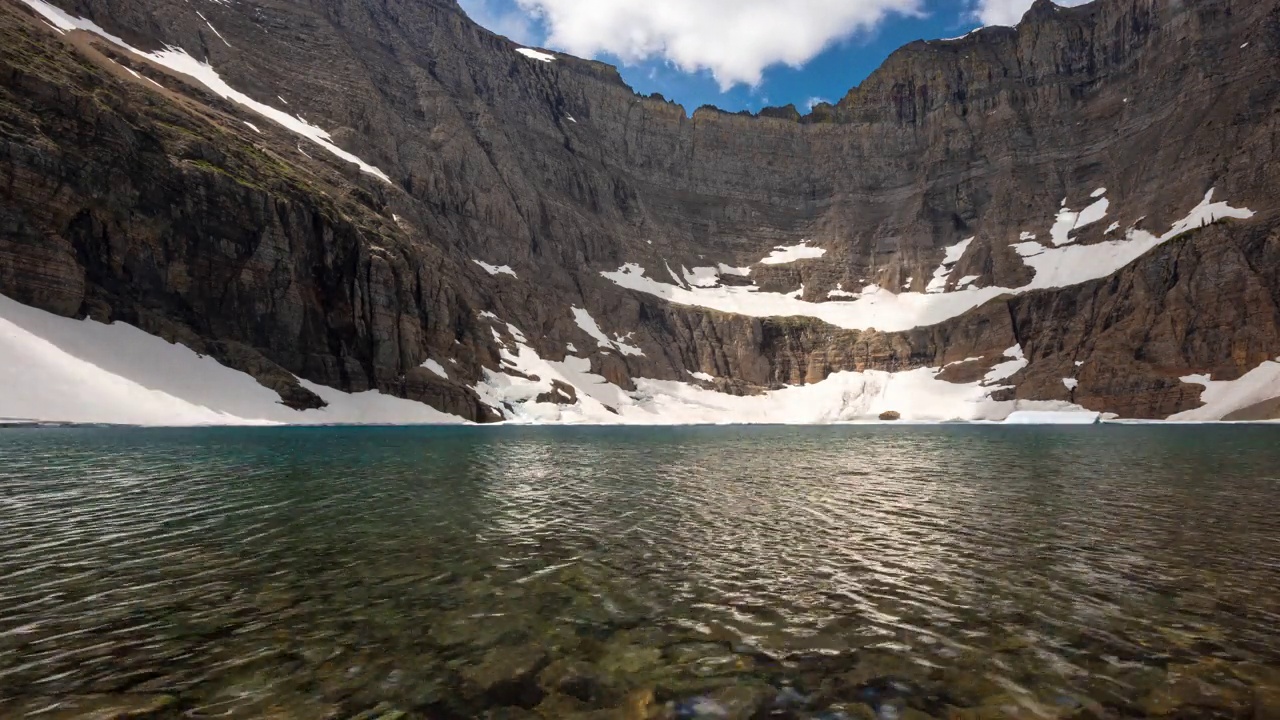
(739, 54)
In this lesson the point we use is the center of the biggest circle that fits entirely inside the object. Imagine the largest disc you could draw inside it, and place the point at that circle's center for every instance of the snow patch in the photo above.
(953, 255)
(1007, 369)
(536, 55)
(1223, 397)
(496, 269)
(588, 325)
(704, 377)
(702, 276)
(1068, 221)
(784, 254)
(252, 127)
(840, 292)
(1071, 383)
(436, 368)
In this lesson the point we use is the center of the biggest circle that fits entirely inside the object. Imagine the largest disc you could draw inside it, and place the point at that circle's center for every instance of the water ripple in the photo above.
(232, 573)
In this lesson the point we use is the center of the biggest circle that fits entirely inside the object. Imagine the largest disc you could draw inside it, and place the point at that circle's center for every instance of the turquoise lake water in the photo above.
(862, 572)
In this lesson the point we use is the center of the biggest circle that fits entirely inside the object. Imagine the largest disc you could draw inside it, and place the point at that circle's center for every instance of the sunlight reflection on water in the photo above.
(447, 572)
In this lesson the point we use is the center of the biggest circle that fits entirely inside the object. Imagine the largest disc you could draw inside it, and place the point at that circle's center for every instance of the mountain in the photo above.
(360, 204)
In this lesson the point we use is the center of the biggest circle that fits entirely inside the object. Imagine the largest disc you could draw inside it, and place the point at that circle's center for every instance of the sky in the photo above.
(740, 54)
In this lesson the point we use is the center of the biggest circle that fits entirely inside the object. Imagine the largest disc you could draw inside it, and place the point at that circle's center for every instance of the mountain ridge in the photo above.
(562, 174)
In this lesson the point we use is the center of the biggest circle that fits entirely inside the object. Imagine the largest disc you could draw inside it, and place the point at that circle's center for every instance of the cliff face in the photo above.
(131, 192)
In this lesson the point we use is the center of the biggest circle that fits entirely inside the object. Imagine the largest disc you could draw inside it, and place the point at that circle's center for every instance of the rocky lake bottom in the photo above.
(860, 572)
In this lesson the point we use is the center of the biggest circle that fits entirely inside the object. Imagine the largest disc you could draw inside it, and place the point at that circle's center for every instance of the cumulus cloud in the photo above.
(734, 39)
(509, 21)
(1009, 12)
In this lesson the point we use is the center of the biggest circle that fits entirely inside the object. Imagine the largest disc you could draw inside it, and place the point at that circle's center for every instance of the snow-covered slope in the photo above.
(62, 370)
(57, 369)
(1060, 264)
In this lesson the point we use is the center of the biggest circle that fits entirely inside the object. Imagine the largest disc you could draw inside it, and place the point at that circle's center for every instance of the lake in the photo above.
(896, 573)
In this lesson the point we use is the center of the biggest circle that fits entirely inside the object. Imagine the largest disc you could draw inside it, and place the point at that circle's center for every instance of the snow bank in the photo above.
(1048, 417)
(846, 397)
(57, 369)
(883, 310)
(1223, 397)
(784, 254)
(178, 60)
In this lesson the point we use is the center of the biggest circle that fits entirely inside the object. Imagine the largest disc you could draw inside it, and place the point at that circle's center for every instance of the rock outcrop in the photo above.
(132, 192)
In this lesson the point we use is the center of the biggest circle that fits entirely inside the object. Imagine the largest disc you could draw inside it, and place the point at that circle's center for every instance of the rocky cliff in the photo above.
(1034, 196)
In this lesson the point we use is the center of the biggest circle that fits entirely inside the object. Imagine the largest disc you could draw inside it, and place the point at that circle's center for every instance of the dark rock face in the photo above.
(161, 207)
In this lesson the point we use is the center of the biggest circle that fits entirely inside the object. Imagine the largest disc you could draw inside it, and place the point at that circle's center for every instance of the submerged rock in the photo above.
(575, 678)
(506, 676)
(383, 711)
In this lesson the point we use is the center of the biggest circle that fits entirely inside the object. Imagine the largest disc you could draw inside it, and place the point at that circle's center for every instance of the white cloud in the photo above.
(511, 22)
(1009, 12)
(734, 39)
(808, 104)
